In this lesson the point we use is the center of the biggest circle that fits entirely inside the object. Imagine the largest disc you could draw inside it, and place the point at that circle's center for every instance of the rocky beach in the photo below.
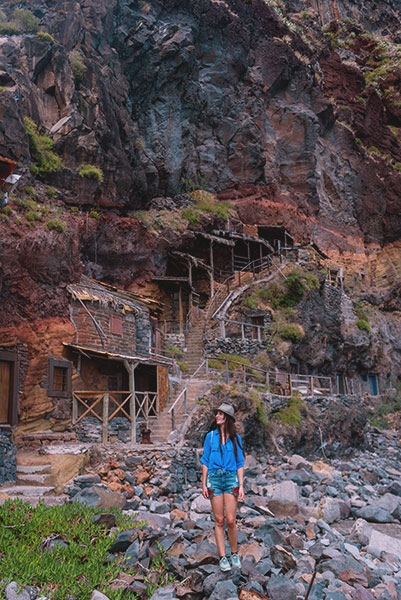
(338, 517)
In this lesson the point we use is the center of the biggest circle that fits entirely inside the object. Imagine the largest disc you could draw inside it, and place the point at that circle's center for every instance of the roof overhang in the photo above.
(137, 358)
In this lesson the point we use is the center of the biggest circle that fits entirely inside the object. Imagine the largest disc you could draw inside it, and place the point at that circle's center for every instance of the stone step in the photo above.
(34, 500)
(27, 490)
(33, 469)
(40, 479)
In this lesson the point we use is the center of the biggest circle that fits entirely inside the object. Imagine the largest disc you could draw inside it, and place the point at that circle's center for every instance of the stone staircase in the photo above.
(161, 427)
(33, 482)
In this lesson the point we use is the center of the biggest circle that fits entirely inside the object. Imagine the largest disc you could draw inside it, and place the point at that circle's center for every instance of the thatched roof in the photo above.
(90, 290)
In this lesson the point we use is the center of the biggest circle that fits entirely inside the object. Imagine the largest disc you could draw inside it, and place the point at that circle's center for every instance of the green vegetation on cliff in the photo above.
(45, 161)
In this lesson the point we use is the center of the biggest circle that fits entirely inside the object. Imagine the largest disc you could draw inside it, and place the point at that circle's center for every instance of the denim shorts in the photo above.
(222, 482)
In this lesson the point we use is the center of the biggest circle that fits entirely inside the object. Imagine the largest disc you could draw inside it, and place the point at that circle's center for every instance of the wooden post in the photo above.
(132, 403)
(180, 310)
(223, 329)
(232, 261)
(311, 384)
(242, 331)
(290, 378)
(244, 373)
(185, 401)
(227, 372)
(190, 301)
(105, 418)
(267, 381)
(74, 408)
(212, 270)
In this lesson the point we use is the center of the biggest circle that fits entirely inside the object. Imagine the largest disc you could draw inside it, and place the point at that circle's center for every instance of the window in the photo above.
(116, 325)
(59, 378)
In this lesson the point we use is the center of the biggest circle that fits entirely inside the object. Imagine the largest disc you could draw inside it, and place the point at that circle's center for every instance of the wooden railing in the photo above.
(279, 383)
(240, 328)
(180, 403)
(106, 405)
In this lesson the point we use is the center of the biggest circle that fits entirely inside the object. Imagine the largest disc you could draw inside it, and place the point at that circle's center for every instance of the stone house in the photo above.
(104, 363)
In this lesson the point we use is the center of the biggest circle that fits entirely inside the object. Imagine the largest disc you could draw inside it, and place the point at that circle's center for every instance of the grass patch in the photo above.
(363, 325)
(381, 417)
(10, 28)
(29, 22)
(73, 571)
(45, 161)
(91, 172)
(191, 215)
(46, 37)
(183, 366)
(260, 409)
(78, 67)
(292, 332)
(55, 225)
(206, 203)
(292, 415)
(220, 362)
(50, 192)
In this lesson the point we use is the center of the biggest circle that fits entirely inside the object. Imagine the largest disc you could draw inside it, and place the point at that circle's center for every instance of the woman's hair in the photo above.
(230, 432)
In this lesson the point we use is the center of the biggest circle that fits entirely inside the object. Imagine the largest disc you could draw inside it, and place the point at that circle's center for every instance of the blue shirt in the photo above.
(213, 459)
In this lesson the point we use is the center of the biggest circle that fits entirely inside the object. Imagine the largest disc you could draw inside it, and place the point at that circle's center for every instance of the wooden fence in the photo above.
(105, 406)
(276, 382)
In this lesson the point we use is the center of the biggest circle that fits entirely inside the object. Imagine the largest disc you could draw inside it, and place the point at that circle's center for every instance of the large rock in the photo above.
(287, 491)
(98, 497)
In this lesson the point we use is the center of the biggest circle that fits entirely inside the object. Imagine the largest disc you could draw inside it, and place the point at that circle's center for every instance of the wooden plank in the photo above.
(5, 390)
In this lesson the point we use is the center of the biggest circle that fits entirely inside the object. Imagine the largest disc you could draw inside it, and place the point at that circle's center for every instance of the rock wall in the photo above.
(8, 459)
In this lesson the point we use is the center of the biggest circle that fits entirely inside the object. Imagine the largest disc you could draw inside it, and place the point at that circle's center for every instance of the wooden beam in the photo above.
(180, 309)
(212, 269)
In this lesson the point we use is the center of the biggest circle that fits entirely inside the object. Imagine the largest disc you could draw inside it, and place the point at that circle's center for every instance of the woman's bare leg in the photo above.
(218, 513)
(230, 504)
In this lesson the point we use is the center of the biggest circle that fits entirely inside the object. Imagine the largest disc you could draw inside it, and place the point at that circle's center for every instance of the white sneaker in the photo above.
(224, 564)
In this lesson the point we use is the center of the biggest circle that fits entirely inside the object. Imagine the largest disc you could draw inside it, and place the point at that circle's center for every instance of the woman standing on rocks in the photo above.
(223, 480)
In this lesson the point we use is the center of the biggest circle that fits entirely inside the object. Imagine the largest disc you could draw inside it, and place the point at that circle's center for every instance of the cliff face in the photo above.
(216, 94)
(290, 110)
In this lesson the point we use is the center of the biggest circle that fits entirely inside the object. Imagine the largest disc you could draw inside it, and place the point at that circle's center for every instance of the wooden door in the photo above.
(5, 390)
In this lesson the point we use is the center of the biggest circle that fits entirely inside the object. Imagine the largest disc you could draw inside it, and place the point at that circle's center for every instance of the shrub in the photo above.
(7, 210)
(32, 216)
(292, 332)
(260, 409)
(74, 210)
(397, 166)
(10, 28)
(91, 172)
(46, 37)
(50, 192)
(78, 66)
(191, 215)
(30, 191)
(45, 161)
(251, 301)
(3, 217)
(29, 22)
(55, 224)
(363, 324)
(183, 365)
(94, 214)
(292, 414)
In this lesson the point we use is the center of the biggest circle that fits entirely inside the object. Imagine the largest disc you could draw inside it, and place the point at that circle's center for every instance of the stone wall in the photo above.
(143, 332)
(88, 334)
(175, 339)
(8, 460)
(234, 346)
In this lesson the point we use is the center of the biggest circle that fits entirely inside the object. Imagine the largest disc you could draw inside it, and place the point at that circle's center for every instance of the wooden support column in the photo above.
(105, 432)
(190, 300)
(212, 269)
(180, 309)
(130, 366)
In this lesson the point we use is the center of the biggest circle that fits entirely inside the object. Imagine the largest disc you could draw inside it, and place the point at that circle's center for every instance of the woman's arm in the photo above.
(205, 492)
(240, 473)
